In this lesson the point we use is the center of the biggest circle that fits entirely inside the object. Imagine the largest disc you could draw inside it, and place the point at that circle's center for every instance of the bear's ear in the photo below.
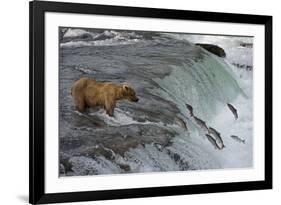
(125, 87)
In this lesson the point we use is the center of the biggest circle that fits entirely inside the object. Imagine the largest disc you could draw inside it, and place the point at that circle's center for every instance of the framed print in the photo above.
(141, 102)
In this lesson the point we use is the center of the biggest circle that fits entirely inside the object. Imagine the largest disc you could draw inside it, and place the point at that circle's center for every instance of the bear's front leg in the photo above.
(109, 107)
(110, 112)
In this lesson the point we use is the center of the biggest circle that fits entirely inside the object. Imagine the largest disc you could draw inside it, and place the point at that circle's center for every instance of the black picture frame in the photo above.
(37, 9)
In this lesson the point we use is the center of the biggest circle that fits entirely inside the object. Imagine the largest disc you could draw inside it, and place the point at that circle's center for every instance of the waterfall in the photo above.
(206, 84)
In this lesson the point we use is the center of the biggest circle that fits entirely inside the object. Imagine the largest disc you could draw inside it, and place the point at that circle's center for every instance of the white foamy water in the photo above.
(106, 38)
(235, 53)
(236, 154)
(107, 42)
(120, 117)
(75, 32)
(125, 118)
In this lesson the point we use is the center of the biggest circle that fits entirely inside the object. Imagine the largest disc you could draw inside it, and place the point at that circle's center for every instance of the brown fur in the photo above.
(88, 92)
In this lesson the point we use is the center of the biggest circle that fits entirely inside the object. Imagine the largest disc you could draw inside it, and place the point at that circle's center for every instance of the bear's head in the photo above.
(129, 93)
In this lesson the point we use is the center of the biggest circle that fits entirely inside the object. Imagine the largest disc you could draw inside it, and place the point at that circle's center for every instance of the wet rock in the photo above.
(115, 140)
(98, 150)
(125, 167)
(216, 50)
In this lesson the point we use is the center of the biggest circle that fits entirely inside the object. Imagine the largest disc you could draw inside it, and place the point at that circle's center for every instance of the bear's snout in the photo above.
(135, 99)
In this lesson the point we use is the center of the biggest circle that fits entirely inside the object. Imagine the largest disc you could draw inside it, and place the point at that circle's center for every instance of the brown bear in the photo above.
(88, 92)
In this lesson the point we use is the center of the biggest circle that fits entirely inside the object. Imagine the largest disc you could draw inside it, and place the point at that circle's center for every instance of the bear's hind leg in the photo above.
(80, 108)
(80, 104)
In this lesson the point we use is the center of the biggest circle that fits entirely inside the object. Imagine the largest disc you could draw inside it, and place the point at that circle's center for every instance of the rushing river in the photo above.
(157, 133)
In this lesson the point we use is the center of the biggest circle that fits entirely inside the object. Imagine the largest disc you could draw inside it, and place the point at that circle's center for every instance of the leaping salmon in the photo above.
(217, 136)
(201, 123)
(190, 109)
(233, 110)
(238, 139)
(212, 141)
(180, 123)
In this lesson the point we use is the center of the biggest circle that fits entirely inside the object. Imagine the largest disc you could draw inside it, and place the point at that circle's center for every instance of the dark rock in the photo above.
(99, 150)
(125, 167)
(214, 49)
